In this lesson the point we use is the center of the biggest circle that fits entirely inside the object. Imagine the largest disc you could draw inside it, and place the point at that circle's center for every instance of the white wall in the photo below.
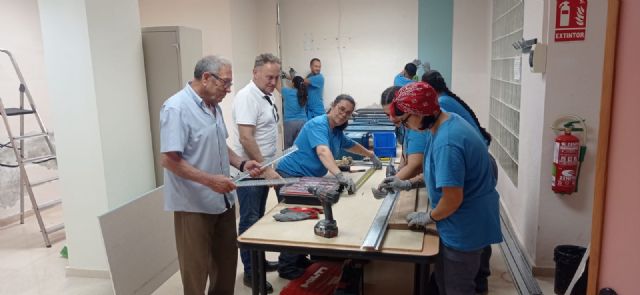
(362, 44)
(471, 58)
(20, 34)
(93, 58)
(573, 86)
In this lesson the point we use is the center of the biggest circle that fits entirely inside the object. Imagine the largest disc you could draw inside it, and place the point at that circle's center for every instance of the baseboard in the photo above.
(87, 273)
(544, 271)
(11, 219)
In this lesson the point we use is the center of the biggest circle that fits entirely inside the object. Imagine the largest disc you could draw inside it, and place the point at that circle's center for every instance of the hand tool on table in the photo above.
(285, 153)
(328, 196)
(297, 213)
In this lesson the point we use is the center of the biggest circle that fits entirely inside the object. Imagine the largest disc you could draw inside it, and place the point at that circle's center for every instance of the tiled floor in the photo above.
(27, 267)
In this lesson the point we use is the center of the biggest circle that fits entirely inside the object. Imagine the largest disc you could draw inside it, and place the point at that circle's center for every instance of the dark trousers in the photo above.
(287, 262)
(455, 271)
(206, 245)
(253, 201)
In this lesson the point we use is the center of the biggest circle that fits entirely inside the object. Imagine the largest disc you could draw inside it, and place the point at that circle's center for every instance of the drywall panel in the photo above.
(140, 242)
(363, 44)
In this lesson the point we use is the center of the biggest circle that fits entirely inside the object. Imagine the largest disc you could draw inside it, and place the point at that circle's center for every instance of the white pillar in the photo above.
(94, 65)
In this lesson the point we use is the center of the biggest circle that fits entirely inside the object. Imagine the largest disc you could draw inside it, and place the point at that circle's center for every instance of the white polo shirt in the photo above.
(251, 108)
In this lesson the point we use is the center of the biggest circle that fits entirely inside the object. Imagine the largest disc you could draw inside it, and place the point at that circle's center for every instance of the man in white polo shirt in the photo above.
(255, 126)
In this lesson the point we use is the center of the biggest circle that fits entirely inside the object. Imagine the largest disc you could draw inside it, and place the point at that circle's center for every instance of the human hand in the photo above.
(379, 193)
(377, 164)
(398, 184)
(347, 182)
(270, 173)
(419, 220)
(253, 167)
(220, 184)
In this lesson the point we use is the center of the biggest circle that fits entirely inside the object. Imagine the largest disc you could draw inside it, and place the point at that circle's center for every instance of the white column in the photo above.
(94, 65)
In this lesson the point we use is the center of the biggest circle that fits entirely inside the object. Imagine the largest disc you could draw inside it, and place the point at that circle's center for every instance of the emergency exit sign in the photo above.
(571, 20)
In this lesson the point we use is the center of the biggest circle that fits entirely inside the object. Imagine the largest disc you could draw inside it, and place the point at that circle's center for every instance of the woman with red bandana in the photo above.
(461, 187)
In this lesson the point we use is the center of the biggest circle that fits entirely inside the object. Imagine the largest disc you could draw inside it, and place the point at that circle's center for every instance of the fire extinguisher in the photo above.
(568, 154)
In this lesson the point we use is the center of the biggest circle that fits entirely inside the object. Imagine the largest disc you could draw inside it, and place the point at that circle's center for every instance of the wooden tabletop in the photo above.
(354, 215)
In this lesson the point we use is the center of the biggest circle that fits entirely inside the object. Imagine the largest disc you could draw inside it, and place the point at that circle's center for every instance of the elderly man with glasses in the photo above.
(197, 184)
(255, 126)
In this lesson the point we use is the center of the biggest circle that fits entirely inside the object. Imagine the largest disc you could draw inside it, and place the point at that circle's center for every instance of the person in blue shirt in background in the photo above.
(294, 101)
(461, 187)
(315, 85)
(319, 142)
(406, 76)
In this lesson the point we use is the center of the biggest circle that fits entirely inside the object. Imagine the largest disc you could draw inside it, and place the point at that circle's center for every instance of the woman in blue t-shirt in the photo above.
(460, 184)
(319, 142)
(294, 101)
(413, 145)
(450, 102)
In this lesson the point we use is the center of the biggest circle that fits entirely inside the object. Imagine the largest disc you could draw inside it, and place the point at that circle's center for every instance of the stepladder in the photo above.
(19, 140)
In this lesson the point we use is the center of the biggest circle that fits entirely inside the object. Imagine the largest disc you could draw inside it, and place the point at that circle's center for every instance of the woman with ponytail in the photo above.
(450, 102)
(294, 101)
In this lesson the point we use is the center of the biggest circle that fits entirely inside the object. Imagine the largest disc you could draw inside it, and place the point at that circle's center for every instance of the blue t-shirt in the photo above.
(450, 105)
(305, 161)
(292, 109)
(415, 141)
(401, 80)
(457, 157)
(316, 103)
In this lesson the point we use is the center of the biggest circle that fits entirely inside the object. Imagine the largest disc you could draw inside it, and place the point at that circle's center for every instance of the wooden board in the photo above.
(396, 239)
(406, 204)
(354, 215)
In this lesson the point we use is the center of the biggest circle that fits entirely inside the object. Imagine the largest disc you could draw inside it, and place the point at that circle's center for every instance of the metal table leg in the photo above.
(254, 272)
(262, 274)
(421, 278)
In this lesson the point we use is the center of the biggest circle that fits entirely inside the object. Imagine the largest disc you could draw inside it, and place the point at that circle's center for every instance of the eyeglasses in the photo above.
(227, 83)
(274, 108)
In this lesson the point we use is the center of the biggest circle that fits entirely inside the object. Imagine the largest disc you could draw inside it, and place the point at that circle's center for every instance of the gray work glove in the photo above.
(379, 193)
(347, 182)
(397, 184)
(377, 164)
(418, 220)
(291, 216)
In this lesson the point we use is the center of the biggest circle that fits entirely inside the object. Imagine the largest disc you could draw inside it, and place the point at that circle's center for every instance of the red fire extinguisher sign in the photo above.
(566, 154)
(571, 20)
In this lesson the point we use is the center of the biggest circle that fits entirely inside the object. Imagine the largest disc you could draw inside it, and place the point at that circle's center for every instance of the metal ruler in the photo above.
(367, 174)
(285, 153)
(373, 239)
(267, 182)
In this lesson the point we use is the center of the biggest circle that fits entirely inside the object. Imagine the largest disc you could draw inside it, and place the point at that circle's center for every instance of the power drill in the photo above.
(328, 196)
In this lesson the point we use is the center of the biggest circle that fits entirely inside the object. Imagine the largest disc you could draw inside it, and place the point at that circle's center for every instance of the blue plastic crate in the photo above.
(360, 137)
(384, 144)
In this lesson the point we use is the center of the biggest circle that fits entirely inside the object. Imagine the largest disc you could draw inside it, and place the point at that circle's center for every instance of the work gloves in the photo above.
(347, 182)
(389, 184)
(419, 220)
(297, 213)
(377, 164)
(396, 184)
(379, 193)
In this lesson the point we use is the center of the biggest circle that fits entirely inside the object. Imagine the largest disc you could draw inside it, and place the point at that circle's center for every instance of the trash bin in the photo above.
(567, 258)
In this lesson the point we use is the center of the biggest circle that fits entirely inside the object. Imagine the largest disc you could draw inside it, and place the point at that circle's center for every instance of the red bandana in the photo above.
(417, 98)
